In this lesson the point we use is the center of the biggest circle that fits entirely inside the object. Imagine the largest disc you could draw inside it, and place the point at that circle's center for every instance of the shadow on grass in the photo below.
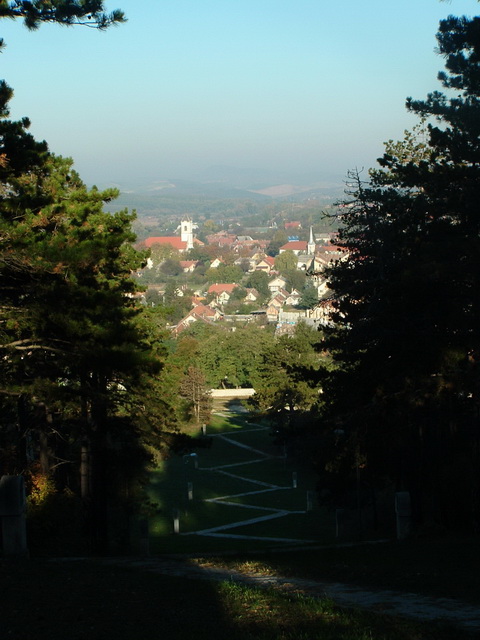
(82, 600)
(233, 469)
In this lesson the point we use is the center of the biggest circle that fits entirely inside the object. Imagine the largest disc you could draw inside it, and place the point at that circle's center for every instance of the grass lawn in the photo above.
(228, 471)
(85, 600)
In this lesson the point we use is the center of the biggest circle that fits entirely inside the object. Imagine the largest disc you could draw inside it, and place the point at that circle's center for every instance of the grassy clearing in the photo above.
(80, 600)
(278, 471)
(297, 527)
(169, 489)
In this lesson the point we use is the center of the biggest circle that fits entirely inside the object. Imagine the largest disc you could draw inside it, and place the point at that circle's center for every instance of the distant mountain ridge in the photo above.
(205, 194)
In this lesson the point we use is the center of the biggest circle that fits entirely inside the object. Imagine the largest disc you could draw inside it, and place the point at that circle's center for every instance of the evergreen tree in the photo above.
(65, 12)
(309, 297)
(408, 301)
(76, 355)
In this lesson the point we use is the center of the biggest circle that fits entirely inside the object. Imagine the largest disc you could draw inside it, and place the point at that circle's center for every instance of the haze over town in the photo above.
(300, 91)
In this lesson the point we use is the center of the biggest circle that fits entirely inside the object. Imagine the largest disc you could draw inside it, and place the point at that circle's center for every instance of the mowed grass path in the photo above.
(242, 495)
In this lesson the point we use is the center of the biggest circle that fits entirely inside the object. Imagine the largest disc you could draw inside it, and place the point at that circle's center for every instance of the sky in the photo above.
(298, 86)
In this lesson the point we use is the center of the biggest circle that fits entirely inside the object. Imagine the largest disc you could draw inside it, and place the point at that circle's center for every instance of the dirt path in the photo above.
(409, 605)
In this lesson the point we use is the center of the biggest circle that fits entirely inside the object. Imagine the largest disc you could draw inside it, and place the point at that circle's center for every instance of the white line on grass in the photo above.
(253, 506)
(246, 493)
(245, 537)
(223, 500)
(242, 523)
(231, 433)
(234, 464)
(259, 482)
(245, 446)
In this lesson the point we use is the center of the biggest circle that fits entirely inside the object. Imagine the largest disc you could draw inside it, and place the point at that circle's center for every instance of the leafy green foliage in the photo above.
(286, 262)
(309, 297)
(232, 359)
(279, 239)
(287, 378)
(258, 280)
(224, 273)
(296, 279)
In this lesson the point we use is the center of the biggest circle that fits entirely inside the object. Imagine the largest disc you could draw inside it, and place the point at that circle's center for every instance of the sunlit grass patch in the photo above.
(219, 423)
(246, 567)
(269, 614)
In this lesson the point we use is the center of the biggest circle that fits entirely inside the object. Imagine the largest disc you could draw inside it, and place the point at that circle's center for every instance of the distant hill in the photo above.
(218, 192)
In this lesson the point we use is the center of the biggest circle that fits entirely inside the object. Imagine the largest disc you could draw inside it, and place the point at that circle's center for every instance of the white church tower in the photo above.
(311, 244)
(186, 232)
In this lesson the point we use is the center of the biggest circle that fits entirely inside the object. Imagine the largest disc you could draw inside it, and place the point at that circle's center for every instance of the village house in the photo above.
(252, 295)
(200, 312)
(250, 244)
(266, 264)
(330, 252)
(245, 261)
(221, 292)
(188, 266)
(272, 313)
(221, 239)
(293, 298)
(216, 262)
(296, 246)
(276, 284)
(277, 301)
(295, 224)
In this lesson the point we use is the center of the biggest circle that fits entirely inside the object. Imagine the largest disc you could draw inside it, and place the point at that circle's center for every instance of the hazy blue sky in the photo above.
(299, 85)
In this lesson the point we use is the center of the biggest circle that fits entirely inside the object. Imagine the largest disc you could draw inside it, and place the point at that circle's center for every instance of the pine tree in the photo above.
(408, 300)
(65, 12)
(76, 356)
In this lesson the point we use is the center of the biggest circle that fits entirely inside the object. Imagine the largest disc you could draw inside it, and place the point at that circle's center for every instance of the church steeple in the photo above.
(186, 232)
(311, 244)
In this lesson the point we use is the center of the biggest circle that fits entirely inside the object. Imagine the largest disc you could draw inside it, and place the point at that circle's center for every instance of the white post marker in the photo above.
(294, 479)
(176, 521)
(310, 500)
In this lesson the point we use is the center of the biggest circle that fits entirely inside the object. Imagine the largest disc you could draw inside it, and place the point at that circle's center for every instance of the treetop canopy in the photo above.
(90, 13)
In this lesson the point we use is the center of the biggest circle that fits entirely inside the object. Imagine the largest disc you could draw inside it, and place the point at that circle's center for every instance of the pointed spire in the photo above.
(311, 243)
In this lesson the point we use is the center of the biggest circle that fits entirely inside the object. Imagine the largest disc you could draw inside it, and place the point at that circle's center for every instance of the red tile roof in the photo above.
(219, 288)
(296, 245)
(203, 311)
(174, 241)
